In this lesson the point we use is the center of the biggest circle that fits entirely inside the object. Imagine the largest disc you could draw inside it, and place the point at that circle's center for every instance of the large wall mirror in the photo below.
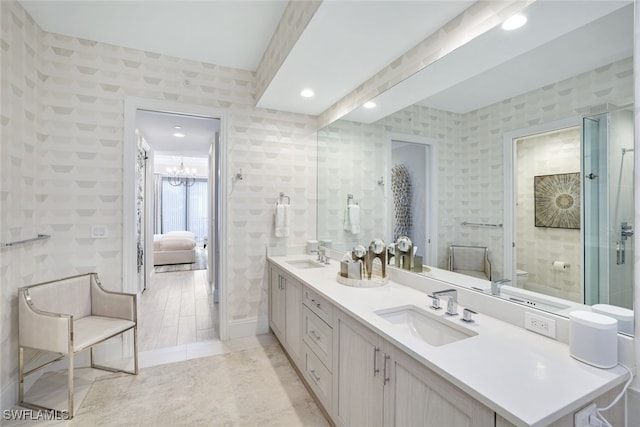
(519, 141)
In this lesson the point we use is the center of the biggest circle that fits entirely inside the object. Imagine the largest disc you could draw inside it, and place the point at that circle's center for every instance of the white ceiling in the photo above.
(158, 128)
(229, 33)
(346, 43)
(561, 39)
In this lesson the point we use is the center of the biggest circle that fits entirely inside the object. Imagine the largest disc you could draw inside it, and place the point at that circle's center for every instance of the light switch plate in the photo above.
(99, 231)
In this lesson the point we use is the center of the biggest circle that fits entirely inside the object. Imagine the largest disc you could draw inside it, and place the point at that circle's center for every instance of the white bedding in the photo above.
(174, 241)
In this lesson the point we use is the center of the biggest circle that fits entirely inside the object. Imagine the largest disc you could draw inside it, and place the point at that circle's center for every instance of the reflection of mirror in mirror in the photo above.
(466, 114)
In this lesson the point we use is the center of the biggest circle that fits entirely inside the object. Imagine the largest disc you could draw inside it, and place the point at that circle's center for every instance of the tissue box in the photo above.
(593, 338)
(351, 270)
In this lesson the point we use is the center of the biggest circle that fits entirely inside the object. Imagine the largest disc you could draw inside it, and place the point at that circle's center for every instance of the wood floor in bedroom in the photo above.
(176, 309)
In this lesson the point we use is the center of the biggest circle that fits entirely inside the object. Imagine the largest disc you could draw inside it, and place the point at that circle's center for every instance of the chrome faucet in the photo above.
(452, 303)
(497, 284)
(322, 255)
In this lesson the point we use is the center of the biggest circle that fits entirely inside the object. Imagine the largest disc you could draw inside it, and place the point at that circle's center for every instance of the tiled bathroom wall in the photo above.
(470, 151)
(538, 247)
(62, 131)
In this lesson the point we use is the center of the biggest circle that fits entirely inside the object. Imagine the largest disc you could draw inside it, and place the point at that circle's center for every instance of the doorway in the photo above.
(412, 179)
(215, 272)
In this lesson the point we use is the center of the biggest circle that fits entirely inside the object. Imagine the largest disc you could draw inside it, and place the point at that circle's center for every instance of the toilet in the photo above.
(521, 278)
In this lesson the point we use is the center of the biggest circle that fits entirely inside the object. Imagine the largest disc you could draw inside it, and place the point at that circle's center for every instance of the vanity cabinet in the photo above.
(285, 311)
(377, 384)
(417, 396)
(358, 374)
(317, 337)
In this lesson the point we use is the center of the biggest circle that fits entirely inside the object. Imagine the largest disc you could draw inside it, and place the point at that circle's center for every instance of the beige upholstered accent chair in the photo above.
(470, 260)
(68, 316)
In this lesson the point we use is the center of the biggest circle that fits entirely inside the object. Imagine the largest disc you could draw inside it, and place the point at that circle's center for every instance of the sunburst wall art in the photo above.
(557, 200)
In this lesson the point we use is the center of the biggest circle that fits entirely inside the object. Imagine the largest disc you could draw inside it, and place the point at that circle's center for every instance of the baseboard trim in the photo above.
(248, 327)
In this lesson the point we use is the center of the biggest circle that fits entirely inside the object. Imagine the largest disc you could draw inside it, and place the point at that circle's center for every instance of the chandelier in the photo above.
(181, 176)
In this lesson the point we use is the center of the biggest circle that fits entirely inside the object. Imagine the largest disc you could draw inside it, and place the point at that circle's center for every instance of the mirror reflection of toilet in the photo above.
(521, 278)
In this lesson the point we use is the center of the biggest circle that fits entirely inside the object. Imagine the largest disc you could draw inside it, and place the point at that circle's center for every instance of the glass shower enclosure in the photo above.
(608, 207)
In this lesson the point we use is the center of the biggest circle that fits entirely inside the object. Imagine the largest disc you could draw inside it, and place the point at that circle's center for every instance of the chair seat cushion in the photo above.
(473, 273)
(92, 329)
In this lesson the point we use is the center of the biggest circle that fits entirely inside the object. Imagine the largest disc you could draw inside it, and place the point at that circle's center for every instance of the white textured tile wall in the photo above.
(64, 100)
(538, 247)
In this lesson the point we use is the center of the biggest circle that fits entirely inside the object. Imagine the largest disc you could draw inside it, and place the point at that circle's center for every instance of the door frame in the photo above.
(431, 177)
(509, 185)
(131, 106)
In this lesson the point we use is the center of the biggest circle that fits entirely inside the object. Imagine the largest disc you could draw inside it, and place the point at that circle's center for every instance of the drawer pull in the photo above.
(315, 377)
(375, 361)
(316, 303)
(314, 335)
(386, 378)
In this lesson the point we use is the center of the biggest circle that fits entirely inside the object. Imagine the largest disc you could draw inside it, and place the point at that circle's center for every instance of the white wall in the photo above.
(62, 150)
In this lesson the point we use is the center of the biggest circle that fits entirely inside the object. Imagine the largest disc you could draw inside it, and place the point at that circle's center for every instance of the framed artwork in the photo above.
(557, 200)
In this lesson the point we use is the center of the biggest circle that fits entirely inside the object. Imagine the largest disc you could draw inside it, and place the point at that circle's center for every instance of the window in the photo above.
(185, 208)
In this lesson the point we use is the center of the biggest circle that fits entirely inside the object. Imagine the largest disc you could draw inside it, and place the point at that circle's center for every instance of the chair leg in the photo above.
(70, 374)
(135, 350)
(21, 375)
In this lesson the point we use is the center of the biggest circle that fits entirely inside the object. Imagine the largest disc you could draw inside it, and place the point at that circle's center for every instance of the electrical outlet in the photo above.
(581, 418)
(540, 324)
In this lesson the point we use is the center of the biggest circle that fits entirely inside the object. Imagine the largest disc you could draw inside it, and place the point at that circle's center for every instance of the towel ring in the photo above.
(283, 196)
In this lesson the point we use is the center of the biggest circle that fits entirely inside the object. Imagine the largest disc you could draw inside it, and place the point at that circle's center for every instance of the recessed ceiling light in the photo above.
(177, 127)
(369, 104)
(307, 93)
(514, 22)
(178, 135)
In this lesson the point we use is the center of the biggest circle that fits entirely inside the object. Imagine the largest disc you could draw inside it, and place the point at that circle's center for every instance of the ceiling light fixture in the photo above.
(177, 127)
(178, 135)
(514, 22)
(181, 176)
(307, 93)
(369, 104)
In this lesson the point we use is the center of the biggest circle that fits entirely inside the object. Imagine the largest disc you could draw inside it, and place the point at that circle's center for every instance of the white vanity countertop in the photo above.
(526, 378)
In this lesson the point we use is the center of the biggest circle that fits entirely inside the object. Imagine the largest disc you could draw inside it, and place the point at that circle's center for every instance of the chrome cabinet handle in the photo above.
(315, 302)
(314, 335)
(375, 361)
(386, 378)
(313, 375)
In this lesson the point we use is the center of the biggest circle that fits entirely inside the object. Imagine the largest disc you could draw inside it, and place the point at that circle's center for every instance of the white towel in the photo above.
(354, 218)
(283, 220)
(347, 221)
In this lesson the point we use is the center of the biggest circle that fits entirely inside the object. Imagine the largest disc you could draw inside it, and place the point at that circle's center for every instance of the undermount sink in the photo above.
(429, 328)
(305, 263)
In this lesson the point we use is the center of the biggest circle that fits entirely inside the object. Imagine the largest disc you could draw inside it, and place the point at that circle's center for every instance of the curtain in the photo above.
(185, 208)
(157, 204)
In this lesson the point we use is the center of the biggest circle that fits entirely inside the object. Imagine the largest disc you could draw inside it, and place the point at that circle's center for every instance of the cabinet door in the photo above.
(417, 396)
(357, 373)
(293, 317)
(277, 303)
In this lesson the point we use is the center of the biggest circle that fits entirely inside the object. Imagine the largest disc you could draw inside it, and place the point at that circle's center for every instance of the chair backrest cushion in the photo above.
(68, 296)
(468, 258)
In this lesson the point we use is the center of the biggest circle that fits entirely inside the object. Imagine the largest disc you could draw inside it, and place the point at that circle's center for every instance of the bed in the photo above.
(174, 247)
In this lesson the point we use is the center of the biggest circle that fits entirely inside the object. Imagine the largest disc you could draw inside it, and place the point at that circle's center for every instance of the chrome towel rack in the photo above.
(20, 242)
(481, 224)
(282, 197)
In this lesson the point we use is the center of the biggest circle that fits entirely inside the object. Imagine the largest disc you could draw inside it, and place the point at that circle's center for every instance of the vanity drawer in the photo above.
(319, 305)
(318, 336)
(318, 377)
